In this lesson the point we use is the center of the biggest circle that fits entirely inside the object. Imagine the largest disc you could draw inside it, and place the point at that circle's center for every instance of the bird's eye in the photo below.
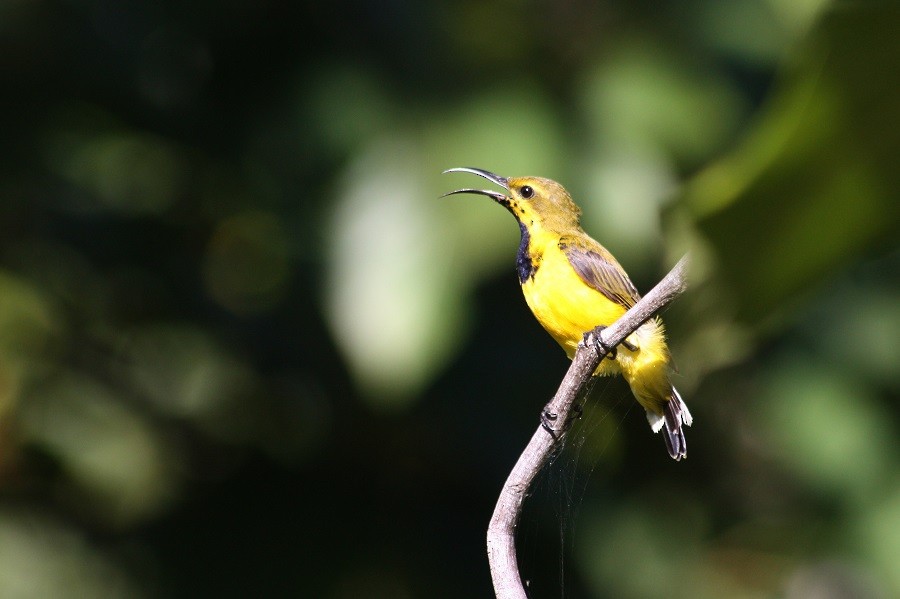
(526, 191)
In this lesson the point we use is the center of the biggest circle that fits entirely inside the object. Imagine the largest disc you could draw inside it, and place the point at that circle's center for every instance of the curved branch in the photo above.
(501, 530)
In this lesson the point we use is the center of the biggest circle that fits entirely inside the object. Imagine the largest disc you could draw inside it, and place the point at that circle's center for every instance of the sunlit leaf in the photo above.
(43, 557)
(388, 297)
(118, 465)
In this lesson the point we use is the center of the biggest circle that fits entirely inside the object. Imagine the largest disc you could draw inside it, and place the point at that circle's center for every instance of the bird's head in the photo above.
(534, 201)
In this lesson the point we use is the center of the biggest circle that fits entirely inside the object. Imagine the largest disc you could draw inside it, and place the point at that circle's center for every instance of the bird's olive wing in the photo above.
(602, 273)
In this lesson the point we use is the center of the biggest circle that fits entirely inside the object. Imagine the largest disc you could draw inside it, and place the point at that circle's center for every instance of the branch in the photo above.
(501, 540)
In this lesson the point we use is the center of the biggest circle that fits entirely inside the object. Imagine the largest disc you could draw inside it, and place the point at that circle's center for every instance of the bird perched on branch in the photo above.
(573, 284)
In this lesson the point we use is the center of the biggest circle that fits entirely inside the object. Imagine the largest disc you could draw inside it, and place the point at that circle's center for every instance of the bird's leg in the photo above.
(547, 420)
(597, 340)
(591, 339)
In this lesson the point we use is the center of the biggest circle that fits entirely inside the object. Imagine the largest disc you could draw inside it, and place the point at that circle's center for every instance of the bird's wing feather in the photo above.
(599, 270)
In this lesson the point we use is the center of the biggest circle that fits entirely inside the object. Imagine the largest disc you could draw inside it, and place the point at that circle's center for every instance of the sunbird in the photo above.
(573, 285)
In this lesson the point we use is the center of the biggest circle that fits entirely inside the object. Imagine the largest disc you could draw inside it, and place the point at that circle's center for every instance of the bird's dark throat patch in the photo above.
(524, 265)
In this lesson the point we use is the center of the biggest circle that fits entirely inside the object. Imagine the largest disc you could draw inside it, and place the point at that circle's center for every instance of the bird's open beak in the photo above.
(497, 179)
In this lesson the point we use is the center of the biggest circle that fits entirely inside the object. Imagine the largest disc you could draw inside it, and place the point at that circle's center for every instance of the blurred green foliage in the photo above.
(245, 351)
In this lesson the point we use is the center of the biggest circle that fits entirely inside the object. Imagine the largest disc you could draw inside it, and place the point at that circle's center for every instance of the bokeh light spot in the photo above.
(247, 262)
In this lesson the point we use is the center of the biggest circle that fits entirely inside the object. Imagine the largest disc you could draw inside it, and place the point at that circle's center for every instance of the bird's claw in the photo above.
(547, 420)
(591, 339)
(610, 352)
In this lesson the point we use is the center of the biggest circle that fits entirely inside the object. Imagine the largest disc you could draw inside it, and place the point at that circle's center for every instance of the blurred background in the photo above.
(246, 351)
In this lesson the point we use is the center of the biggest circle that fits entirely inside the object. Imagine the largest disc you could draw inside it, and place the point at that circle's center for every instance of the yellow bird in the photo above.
(573, 284)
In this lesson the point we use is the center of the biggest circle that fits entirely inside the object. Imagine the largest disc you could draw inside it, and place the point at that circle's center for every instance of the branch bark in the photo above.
(501, 542)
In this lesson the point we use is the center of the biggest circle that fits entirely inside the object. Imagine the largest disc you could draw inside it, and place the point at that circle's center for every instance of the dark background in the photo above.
(245, 351)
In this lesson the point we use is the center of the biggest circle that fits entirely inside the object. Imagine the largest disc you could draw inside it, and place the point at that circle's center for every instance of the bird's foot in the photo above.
(549, 420)
(610, 352)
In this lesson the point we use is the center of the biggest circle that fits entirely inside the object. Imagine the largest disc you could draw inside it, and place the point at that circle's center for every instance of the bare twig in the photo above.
(501, 531)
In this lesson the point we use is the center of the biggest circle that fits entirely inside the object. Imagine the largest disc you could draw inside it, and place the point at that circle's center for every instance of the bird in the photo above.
(572, 285)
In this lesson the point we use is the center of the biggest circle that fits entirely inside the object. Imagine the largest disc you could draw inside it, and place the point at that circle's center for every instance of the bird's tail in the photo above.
(675, 414)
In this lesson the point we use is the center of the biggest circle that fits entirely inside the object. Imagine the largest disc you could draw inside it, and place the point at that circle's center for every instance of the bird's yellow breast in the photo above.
(561, 301)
